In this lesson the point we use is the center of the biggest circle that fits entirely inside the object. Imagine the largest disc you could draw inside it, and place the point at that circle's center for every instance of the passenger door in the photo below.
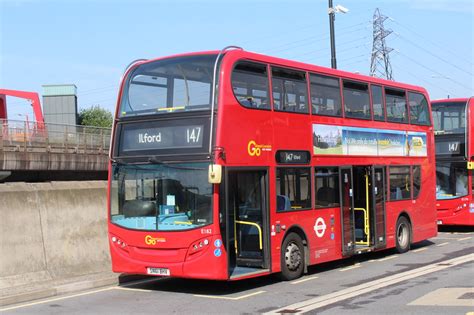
(347, 211)
(378, 198)
(247, 204)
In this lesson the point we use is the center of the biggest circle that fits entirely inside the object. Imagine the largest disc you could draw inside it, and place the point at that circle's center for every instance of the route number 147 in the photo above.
(193, 134)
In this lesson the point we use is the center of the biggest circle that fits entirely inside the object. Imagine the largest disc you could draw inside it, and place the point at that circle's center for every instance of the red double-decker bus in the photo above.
(454, 128)
(229, 165)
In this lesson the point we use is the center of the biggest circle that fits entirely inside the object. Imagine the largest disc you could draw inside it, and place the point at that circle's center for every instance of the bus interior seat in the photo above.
(396, 194)
(139, 208)
(283, 203)
(326, 196)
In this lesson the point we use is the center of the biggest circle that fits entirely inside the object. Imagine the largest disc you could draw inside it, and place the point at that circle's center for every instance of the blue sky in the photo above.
(89, 43)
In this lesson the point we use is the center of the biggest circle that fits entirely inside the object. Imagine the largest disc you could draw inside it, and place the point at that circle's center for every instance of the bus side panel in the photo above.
(326, 236)
(425, 217)
(393, 210)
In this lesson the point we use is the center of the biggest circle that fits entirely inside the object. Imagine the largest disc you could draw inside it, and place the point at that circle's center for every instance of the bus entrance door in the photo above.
(378, 198)
(247, 218)
(347, 211)
(369, 207)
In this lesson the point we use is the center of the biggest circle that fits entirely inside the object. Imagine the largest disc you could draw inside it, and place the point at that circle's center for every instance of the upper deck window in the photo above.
(176, 84)
(356, 100)
(250, 85)
(289, 90)
(377, 103)
(396, 105)
(325, 95)
(419, 114)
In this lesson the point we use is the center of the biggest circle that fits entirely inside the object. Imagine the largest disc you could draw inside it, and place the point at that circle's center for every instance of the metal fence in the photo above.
(41, 137)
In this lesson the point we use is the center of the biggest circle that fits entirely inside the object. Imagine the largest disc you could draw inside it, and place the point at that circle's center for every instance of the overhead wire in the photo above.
(444, 47)
(417, 62)
(427, 82)
(311, 39)
(432, 54)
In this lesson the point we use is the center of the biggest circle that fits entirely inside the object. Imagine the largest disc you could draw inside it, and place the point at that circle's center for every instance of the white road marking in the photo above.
(442, 244)
(304, 280)
(446, 297)
(351, 267)
(321, 301)
(229, 297)
(464, 238)
(132, 289)
(419, 250)
(444, 238)
(124, 287)
(388, 258)
(56, 299)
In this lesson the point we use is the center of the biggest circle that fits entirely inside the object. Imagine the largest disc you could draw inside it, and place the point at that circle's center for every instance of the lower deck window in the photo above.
(327, 187)
(293, 188)
(400, 183)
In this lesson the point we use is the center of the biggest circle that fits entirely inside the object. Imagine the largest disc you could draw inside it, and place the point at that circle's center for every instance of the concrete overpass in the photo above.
(29, 152)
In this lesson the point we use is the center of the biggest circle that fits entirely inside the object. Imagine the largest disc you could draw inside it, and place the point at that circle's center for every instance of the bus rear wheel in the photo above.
(292, 257)
(403, 235)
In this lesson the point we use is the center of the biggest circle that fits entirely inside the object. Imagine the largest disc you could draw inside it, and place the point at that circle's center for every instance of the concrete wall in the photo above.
(52, 231)
(43, 161)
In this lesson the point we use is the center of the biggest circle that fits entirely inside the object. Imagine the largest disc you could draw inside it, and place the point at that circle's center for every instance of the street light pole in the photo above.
(331, 30)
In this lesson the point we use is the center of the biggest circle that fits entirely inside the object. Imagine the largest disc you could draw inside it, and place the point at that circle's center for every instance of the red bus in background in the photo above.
(229, 165)
(454, 128)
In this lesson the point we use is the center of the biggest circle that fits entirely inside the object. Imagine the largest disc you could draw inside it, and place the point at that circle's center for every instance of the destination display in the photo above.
(293, 157)
(176, 137)
(164, 137)
(451, 145)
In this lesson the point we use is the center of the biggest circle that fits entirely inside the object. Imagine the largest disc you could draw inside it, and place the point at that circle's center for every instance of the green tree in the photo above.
(95, 116)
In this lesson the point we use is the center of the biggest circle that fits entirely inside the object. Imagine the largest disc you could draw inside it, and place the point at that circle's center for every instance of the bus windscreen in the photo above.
(161, 197)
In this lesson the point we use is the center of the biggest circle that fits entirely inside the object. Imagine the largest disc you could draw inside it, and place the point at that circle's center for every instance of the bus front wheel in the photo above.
(403, 235)
(292, 257)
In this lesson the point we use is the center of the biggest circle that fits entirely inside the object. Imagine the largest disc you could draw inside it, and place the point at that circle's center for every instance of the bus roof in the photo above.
(243, 54)
(452, 100)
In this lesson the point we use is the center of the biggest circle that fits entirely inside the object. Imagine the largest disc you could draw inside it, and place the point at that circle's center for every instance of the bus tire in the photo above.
(403, 235)
(292, 257)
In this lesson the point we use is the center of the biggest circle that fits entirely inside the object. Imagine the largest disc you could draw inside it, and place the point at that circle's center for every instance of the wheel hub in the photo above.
(292, 256)
(402, 234)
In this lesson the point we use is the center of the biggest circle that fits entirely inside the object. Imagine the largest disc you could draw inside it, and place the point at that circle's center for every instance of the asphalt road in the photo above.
(435, 277)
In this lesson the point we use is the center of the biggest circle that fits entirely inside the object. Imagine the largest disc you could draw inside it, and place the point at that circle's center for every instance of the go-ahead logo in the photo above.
(149, 240)
(255, 149)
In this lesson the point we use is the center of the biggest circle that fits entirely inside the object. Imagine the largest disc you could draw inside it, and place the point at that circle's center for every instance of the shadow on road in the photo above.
(223, 288)
(455, 229)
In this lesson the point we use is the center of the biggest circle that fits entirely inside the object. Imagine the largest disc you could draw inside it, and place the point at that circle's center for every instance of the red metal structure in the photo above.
(454, 129)
(229, 165)
(31, 96)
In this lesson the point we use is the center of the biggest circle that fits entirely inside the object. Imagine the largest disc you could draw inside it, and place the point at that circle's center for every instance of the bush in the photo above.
(95, 116)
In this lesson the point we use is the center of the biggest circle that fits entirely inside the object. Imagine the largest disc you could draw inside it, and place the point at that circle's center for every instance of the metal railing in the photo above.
(46, 137)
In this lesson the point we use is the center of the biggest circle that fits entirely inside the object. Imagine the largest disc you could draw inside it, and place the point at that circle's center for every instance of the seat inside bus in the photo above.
(139, 208)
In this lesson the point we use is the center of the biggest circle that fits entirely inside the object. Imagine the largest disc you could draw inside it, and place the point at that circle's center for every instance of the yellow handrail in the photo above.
(366, 212)
(258, 228)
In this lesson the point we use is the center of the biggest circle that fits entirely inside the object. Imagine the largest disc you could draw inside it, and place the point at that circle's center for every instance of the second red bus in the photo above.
(454, 128)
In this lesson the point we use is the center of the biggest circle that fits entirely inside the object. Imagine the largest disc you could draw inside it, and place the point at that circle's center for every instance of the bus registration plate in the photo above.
(158, 271)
